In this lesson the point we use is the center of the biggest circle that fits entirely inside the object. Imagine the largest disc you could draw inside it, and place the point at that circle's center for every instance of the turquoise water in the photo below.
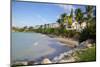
(32, 46)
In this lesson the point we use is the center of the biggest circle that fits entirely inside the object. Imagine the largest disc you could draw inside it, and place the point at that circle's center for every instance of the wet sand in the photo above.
(67, 42)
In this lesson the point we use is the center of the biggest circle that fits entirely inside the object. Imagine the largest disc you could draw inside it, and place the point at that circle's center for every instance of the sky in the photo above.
(32, 13)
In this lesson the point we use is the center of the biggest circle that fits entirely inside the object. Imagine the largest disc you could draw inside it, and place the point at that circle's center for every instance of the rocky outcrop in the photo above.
(21, 63)
(65, 57)
(86, 44)
(89, 45)
(46, 61)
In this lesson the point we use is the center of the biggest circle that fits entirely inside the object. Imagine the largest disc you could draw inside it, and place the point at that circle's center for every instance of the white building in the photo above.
(76, 26)
(51, 25)
(37, 26)
(54, 25)
(83, 25)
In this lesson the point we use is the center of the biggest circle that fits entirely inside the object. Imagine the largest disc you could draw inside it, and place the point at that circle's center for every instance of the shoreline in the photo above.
(68, 42)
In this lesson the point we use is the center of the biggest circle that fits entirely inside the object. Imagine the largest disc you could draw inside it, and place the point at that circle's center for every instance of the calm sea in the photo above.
(32, 46)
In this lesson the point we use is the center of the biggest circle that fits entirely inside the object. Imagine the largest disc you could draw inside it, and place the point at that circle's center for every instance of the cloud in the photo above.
(67, 8)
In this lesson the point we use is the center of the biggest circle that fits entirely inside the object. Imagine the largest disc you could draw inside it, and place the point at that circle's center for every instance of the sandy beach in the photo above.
(67, 42)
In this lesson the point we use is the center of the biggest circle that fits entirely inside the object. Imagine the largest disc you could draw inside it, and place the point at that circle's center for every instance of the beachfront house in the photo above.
(78, 26)
(83, 25)
(75, 26)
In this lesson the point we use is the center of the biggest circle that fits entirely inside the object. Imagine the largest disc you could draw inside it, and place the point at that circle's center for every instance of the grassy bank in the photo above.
(89, 54)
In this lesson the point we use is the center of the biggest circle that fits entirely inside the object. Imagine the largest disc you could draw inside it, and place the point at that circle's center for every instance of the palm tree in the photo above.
(79, 15)
(62, 20)
(71, 14)
(89, 13)
(90, 31)
(59, 21)
(70, 18)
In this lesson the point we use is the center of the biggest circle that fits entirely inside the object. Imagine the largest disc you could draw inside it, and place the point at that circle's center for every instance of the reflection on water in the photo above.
(34, 45)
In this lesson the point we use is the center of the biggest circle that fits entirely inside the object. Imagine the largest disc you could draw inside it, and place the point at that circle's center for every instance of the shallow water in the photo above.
(32, 46)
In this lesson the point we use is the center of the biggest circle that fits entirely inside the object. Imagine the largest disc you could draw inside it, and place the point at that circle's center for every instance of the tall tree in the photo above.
(60, 23)
(70, 18)
(79, 15)
(62, 20)
(71, 14)
(89, 13)
(90, 31)
(69, 21)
